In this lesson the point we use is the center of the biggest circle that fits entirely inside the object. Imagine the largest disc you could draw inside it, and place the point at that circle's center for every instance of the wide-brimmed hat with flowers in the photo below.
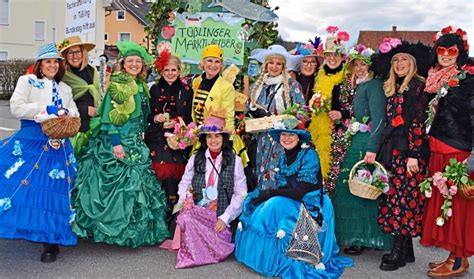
(382, 59)
(334, 41)
(259, 54)
(292, 126)
(74, 41)
(214, 123)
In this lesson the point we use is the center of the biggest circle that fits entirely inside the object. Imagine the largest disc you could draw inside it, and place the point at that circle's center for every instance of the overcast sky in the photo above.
(303, 19)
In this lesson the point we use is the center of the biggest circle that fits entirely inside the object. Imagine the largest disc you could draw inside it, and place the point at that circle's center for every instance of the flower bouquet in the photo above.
(320, 104)
(354, 126)
(182, 136)
(366, 184)
(301, 112)
(454, 180)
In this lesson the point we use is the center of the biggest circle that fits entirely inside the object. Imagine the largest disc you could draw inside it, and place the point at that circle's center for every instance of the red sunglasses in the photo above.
(451, 51)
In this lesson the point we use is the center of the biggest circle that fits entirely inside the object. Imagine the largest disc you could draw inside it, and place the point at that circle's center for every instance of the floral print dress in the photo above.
(400, 210)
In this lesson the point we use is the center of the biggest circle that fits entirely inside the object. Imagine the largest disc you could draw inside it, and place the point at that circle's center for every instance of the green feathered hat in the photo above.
(129, 48)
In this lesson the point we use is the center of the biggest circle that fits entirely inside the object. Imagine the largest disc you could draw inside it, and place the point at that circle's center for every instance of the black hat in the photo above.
(382, 59)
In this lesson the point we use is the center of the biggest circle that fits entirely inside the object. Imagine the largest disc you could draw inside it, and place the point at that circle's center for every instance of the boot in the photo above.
(50, 251)
(396, 258)
(408, 251)
(354, 250)
(434, 265)
(445, 270)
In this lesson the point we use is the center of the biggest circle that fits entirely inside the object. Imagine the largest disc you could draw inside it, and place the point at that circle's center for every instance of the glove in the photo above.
(258, 113)
(264, 195)
(52, 110)
(470, 163)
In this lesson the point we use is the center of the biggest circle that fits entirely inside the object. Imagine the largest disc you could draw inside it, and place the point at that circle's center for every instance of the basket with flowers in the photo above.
(454, 180)
(368, 184)
(182, 136)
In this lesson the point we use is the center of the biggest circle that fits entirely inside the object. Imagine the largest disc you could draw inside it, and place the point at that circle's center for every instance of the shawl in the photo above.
(80, 87)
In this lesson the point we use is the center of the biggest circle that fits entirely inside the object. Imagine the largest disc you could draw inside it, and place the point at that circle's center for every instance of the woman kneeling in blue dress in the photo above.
(289, 231)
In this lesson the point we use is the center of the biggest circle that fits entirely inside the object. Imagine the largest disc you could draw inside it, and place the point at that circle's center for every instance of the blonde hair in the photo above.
(263, 72)
(84, 62)
(174, 60)
(119, 67)
(390, 84)
(201, 63)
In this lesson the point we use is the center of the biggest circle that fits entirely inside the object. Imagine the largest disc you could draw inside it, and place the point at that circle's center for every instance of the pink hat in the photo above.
(214, 123)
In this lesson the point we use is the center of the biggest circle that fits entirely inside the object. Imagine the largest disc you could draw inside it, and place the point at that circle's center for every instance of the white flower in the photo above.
(443, 91)
(304, 145)
(276, 169)
(320, 266)
(239, 226)
(354, 128)
(305, 238)
(385, 190)
(280, 234)
(428, 194)
(367, 52)
(440, 221)
(279, 125)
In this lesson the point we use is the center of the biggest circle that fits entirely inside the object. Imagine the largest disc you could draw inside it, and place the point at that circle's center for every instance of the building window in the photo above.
(39, 30)
(4, 12)
(126, 36)
(3, 55)
(121, 15)
(106, 37)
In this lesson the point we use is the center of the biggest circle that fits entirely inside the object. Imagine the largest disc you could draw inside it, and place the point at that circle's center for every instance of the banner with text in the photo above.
(193, 32)
(81, 19)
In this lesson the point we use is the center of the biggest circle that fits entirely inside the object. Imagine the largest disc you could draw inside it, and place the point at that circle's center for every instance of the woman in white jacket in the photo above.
(37, 171)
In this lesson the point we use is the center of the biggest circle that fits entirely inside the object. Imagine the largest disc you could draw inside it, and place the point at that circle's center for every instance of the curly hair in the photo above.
(200, 159)
(263, 72)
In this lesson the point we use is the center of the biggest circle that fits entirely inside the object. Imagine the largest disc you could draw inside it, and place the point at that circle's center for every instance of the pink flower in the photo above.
(439, 180)
(168, 32)
(343, 36)
(444, 191)
(363, 128)
(450, 212)
(168, 134)
(453, 190)
(394, 42)
(360, 48)
(385, 47)
(182, 145)
(332, 29)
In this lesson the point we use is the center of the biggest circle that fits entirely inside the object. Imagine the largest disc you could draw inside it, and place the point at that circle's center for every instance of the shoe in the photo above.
(354, 250)
(433, 265)
(408, 251)
(396, 258)
(446, 270)
(49, 253)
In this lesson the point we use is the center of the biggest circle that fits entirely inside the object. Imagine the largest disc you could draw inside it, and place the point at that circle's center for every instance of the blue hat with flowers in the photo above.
(48, 51)
(290, 125)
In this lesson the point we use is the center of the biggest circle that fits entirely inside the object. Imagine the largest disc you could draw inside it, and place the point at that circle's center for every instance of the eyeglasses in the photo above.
(74, 53)
(310, 62)
(451, 51)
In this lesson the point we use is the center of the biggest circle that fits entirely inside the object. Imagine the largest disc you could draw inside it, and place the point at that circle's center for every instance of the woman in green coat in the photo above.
(117, 198)
(356, 218)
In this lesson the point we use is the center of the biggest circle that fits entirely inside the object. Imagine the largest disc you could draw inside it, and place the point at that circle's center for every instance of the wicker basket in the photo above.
(466, 191)
(173, 142)
(362, 189)
(262, 124)
(61, 127)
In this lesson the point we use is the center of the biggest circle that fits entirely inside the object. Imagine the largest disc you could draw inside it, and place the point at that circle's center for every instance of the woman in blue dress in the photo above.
(270, 218)
(271, 94)
(36, 172)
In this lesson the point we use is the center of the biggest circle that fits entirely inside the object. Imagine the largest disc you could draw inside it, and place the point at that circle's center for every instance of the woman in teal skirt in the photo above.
(356, 218)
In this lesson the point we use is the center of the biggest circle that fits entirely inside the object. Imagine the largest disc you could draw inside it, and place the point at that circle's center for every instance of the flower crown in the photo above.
(389, 43)
(361, 52)
(452, 30)
(63, 44)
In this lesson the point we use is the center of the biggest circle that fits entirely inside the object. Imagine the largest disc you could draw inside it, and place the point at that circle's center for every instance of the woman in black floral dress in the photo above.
(405, 139)
(171, 97)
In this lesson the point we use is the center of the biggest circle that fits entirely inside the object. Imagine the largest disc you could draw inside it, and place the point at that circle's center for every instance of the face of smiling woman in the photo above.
(133, 65)
(214, 142)
(401, 64)
(212, 66)
(333, 60)
(289, 140)
(49, 67)
(447, 55)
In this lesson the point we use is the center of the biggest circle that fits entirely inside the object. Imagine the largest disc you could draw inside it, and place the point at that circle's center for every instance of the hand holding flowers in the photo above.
(182, 136)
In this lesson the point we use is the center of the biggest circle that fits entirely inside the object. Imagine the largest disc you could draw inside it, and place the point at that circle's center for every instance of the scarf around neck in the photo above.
(279, 98)
(437, 76)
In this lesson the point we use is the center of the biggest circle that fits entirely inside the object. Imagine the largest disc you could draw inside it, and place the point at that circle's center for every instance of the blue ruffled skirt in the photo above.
(35, 181)
(257, 246)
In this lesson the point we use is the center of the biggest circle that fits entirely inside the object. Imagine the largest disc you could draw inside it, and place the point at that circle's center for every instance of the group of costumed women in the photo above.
(405, 106)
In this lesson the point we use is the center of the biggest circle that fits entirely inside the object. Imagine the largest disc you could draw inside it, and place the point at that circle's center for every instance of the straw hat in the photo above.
(74, 41)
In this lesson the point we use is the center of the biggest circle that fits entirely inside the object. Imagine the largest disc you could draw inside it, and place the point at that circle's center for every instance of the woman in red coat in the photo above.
(450, 137)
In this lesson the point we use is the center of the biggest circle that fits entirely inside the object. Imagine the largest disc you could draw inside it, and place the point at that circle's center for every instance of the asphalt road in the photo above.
(20, 259)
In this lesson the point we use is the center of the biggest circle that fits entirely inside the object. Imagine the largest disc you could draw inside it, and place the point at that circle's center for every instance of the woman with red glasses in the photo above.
(451, 83)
